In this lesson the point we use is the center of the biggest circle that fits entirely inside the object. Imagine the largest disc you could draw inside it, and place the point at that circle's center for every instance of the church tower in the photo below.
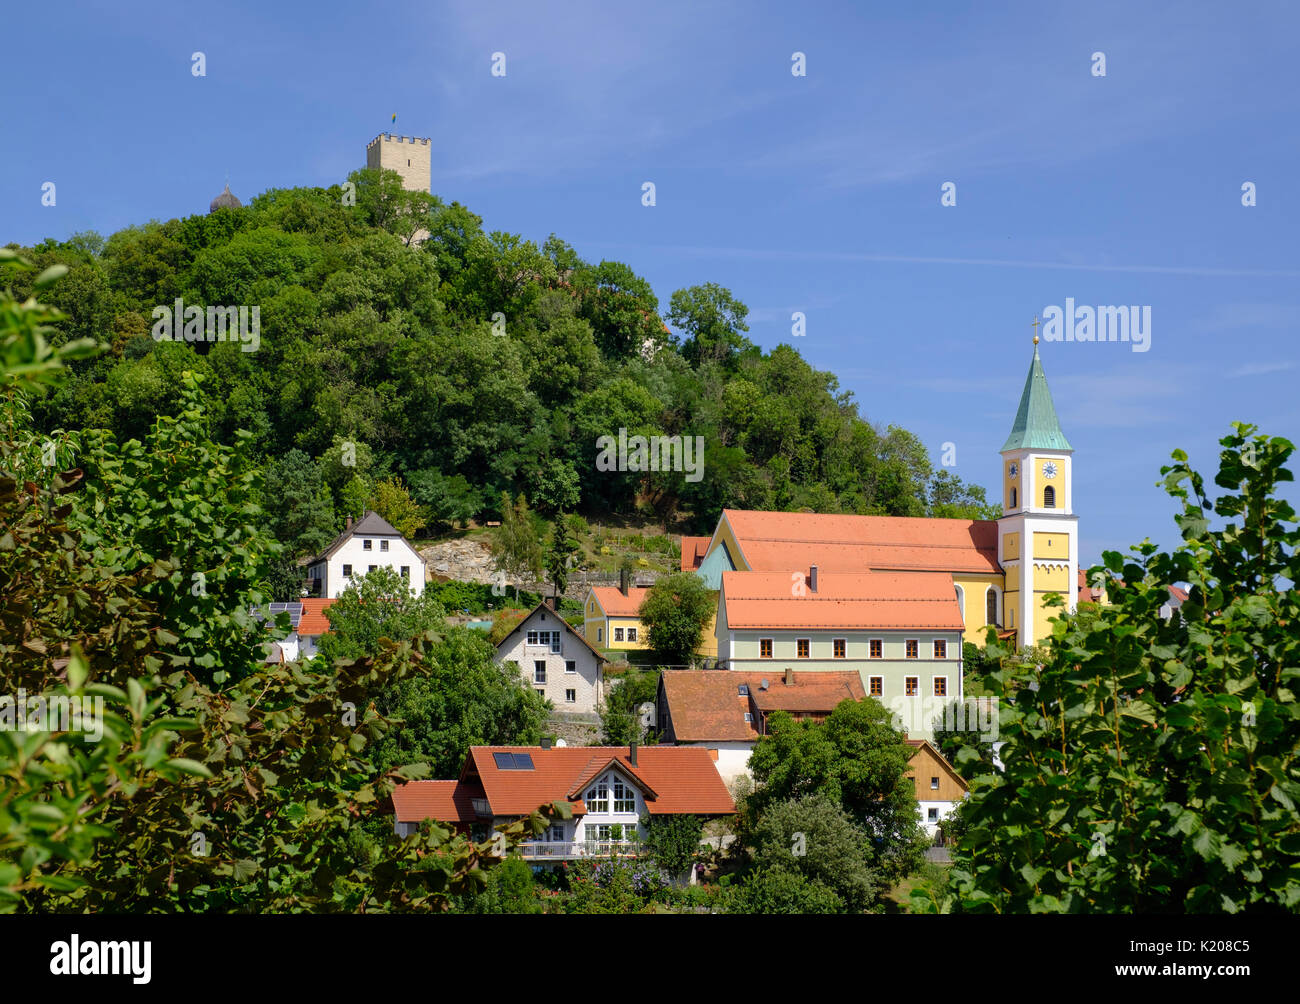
(1038, 532)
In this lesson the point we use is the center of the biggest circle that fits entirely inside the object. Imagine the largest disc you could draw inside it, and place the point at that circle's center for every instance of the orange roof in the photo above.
(706, 705)
(445, 801)
(673, 779)
(771, 541)
(845, 601)
(615, 604)
(693, 551)
(313, 620)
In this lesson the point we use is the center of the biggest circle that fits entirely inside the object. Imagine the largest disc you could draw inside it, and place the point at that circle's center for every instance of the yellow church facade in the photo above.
(1002, 570)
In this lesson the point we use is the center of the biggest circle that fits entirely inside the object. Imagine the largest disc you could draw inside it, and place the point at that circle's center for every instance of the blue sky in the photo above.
(818, 194)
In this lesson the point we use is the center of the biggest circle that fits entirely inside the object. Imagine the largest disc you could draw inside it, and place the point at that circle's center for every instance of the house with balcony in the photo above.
(555, 660)
(362, 547)
(608, 789)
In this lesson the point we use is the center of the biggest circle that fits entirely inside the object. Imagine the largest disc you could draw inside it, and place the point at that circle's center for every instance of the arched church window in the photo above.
(1013, 498)
(1049, 497)
(991, 600)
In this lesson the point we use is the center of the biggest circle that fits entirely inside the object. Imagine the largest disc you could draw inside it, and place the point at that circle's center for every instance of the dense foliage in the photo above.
(197, 777)
(1151, 764)
(440, 375)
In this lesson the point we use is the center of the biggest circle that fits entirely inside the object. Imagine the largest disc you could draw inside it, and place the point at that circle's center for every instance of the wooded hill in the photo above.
(370, 339)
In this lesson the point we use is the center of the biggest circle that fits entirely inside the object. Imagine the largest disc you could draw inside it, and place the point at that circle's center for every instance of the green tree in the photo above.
(1151, 763)
(561, 552)
(814, 837)
(378, 605)
(393, 502)
(465, 700)
(712, 320)
(855, 758)
(773, 891)
(511, 889)
(515, 547)
(673, 841)
(620, 722)
(675, 611)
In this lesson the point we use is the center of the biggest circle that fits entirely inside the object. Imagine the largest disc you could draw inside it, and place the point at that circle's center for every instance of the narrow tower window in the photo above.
(1049, 497)
(991, 601)
(1013, 498)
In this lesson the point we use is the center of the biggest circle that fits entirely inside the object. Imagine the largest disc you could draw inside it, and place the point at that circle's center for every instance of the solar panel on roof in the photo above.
(513, 761)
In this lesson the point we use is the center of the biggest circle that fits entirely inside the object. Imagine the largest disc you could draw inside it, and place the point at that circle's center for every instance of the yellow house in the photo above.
(1001, 570)
(610, 619)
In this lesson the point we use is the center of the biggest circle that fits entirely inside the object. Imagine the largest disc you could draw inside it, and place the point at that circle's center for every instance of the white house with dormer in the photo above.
(359, 549)
(555, 660)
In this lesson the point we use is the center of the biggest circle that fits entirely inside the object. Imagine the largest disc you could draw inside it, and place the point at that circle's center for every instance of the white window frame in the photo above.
(796, 648)
(912, 641)
(570, 665)
(882, 686)
(531, 638)
(934, 647)
(845, 643)
(631, 634)
(629, 795)
(539, 668)
(571, 696)
(771, 648)
(918, 686)
(367, 545)
(618, 634)
(598, 795)
(383, 544)
(873, 641)
(945, 695)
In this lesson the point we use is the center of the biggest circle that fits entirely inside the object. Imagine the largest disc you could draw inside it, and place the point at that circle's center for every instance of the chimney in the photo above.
(546, 742)
(349, 526)
(623, 576)
(812, 578)
(789, 676)
(631, 756)
(554, 603)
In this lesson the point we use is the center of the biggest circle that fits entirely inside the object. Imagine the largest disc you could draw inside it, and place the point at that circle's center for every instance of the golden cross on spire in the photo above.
(1035, 327)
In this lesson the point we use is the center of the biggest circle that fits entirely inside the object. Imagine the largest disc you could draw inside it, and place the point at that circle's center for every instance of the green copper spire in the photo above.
(1036, 426)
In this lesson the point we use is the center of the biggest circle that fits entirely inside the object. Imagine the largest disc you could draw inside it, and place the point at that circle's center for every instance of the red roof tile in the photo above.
(677, 779)
(615, 604)
(693, 551)
(843, 601)
(313, 621)
(445, 801)
(706, 706)
(772, 541)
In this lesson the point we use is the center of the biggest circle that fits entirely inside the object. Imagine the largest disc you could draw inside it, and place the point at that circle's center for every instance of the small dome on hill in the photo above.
(224, 201)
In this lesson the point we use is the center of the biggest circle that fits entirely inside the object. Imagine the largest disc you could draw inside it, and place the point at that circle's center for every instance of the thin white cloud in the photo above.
(1259, 369)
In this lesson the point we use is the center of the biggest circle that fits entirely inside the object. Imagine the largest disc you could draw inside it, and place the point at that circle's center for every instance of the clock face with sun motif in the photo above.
(1013, 470)
(1049, 470)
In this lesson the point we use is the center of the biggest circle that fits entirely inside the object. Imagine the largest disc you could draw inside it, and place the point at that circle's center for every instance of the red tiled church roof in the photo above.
(772, 541)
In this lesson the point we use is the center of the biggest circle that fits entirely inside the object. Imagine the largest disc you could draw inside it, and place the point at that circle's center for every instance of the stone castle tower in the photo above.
(408, 156)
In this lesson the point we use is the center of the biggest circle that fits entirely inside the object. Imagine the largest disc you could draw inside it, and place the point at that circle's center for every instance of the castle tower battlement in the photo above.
(409, 156)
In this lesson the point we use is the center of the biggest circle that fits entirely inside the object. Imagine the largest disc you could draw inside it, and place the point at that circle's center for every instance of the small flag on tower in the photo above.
(394, 116)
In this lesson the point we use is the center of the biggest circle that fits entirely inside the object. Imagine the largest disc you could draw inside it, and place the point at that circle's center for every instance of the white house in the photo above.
(608, 790)
(555, 660)
(307, 622)
(359, 549)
